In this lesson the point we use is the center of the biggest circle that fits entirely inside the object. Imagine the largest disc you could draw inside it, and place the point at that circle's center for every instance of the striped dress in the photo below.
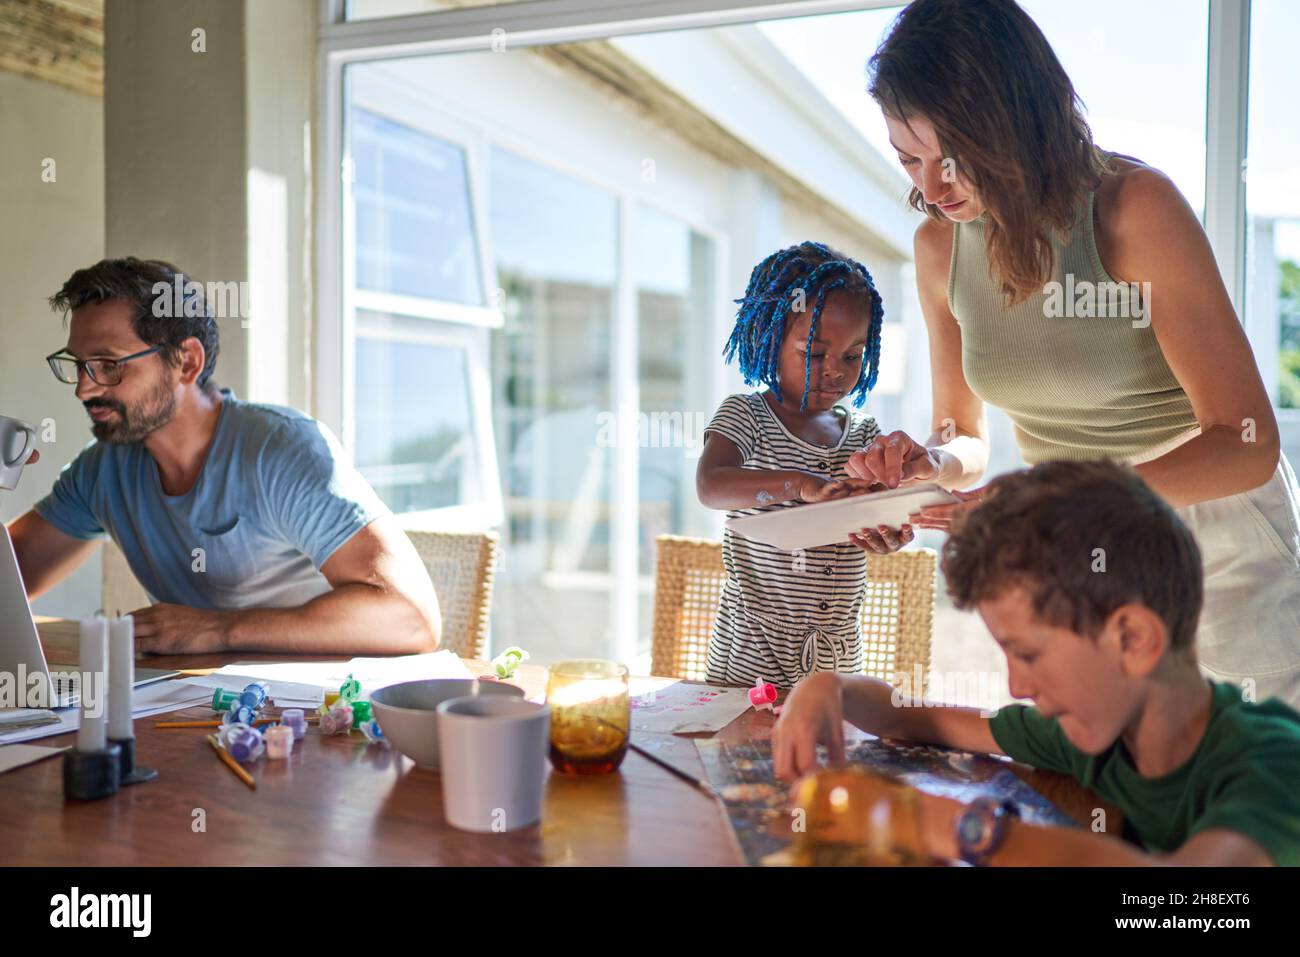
(784, 615)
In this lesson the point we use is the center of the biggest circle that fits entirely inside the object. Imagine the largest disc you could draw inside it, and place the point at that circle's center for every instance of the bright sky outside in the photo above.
(1140, 69)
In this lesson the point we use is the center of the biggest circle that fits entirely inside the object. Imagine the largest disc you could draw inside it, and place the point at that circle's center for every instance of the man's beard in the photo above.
(136, 423)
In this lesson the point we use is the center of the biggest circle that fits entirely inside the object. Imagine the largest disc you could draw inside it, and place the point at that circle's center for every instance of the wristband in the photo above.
(981, 827)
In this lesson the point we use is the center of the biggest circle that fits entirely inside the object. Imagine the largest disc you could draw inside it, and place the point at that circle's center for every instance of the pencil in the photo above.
(704, 786)
(203, 724)
(214, 724)
(230, 762)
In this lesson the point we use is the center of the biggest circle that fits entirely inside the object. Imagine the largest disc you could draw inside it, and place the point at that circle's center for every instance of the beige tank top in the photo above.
(1076, 366)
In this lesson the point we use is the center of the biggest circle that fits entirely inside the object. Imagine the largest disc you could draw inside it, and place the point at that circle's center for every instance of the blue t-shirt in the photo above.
(274, 500)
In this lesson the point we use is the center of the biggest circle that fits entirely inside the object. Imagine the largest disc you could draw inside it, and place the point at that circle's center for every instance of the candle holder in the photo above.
(590, 715)
(90, 775)
(128, 773)
(121, 689)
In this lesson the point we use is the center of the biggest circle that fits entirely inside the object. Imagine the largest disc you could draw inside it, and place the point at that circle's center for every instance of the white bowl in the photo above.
(408, 712)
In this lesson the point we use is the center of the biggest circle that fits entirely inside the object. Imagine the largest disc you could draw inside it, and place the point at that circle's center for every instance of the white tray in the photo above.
(826, 523)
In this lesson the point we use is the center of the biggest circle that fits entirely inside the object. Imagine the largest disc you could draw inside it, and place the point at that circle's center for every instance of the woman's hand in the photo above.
(882, 540)
(941, 517)
(813, 714)
(817, 489)
(894, 459)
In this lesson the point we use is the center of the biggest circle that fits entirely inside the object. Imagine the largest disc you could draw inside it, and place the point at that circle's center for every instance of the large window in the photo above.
(1138, 67)
(496, 286)
(1273, 210)
(555, 243)
(418, 417)
(674, 274)
(542, 246)
(415, 235)
(415, 438)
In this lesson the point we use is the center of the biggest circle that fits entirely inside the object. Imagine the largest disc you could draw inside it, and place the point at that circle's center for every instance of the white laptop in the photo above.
(20, 643)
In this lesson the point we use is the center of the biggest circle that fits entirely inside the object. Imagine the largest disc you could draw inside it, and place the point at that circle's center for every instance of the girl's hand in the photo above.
(894, 459)
(941, 516)
(817, 489)
(882, 540)
(813, 714)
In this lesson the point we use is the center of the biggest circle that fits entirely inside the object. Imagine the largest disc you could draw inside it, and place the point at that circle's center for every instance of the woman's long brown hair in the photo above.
(1005, 111)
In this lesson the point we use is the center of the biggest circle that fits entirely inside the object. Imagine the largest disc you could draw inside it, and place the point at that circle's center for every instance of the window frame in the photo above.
(472, 341)
(389, 100)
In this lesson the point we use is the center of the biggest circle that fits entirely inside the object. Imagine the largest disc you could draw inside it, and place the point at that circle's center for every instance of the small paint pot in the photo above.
(296, 721)
(279, 741)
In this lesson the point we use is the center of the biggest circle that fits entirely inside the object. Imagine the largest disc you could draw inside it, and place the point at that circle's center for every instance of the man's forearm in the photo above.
(353, 619)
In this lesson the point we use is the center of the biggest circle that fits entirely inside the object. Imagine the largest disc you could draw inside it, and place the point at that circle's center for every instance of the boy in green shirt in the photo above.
(1092, 586)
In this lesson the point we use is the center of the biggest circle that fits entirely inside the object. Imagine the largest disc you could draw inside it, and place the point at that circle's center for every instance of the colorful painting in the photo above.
(758, 806)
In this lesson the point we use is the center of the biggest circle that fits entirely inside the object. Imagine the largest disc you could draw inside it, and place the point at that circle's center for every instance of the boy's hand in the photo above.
(813, 714)
(817, 489)
(882, 540)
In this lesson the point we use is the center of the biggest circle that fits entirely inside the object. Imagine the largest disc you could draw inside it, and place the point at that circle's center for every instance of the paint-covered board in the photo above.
(758, 806)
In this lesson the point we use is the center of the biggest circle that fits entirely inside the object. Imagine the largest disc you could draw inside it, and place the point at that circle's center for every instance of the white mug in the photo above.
(17, 439)
(493, 760)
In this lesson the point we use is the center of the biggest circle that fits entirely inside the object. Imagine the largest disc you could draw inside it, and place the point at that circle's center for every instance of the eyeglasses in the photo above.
(67, 368)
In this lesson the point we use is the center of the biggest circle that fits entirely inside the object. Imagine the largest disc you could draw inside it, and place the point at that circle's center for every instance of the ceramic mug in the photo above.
(493, 760)
(17, 439)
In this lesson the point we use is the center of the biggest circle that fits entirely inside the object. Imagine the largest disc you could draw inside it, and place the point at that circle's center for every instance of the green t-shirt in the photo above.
(1244, 775)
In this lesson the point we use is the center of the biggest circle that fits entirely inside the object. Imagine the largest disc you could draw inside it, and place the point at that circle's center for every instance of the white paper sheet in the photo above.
(17, 755)
(157, 698)
(307, 680)
(681, 708)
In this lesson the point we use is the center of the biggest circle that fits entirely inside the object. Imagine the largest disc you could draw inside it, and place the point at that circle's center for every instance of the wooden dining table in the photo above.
(340, 801)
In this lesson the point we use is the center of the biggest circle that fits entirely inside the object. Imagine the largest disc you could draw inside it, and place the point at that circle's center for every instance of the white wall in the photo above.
(50, 229)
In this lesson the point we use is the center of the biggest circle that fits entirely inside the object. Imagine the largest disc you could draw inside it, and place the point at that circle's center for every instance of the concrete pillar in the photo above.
(207, 113)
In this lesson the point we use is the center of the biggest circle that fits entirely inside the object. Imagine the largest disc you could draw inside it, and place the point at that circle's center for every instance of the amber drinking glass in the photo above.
(590, 715)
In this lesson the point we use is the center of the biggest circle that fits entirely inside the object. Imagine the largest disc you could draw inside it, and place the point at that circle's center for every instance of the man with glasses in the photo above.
(243, 522)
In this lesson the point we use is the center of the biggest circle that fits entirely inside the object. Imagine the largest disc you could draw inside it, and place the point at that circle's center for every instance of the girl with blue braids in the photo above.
(808, 331)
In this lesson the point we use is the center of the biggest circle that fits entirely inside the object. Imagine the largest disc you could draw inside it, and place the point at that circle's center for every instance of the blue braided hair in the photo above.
(771, 295)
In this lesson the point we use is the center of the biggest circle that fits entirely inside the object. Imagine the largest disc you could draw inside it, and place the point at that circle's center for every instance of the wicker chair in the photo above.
(897, 611)
(462, 567)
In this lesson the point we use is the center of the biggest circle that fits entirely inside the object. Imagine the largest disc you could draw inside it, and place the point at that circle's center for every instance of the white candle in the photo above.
(91, 736)
(121, 677)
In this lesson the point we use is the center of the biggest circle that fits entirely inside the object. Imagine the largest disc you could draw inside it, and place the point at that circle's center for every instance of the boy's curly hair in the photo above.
(1082, 538)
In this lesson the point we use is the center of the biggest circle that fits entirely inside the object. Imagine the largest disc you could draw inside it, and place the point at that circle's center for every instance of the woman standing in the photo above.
(1075, 289)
